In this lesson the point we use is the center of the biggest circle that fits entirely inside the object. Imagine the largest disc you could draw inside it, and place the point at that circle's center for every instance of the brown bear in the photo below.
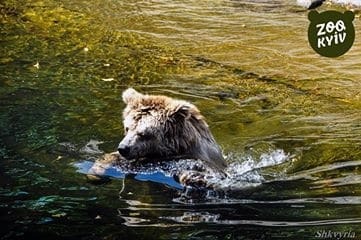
(159, 128)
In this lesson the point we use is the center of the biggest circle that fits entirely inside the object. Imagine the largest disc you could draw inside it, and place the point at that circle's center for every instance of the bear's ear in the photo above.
(130, 95)
(181, 110)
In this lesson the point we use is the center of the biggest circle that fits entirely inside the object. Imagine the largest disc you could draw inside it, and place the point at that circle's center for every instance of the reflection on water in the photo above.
(287, 120)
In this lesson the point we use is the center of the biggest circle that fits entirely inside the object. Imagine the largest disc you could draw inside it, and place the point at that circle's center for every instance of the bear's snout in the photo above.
(124, 150)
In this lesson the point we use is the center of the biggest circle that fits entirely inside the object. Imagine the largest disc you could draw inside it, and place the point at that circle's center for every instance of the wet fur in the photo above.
(162, 128)
(190, 177)
(180, 129)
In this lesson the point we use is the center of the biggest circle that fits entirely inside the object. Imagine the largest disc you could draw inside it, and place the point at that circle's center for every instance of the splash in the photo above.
(249, 171)
(92, 148)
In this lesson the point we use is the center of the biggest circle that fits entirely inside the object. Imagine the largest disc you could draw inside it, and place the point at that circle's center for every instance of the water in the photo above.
(287, 120)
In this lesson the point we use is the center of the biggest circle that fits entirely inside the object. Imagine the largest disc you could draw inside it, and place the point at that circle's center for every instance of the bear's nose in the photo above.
(123, 150)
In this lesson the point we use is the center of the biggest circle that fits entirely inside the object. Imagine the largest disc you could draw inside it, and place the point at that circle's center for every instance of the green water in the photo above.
(245, 64)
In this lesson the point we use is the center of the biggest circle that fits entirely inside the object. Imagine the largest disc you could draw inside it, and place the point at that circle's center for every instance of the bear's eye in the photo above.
(126, 129)
(144, 136)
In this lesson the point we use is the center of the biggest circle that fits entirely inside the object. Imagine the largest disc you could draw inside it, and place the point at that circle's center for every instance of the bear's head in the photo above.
(159, 127)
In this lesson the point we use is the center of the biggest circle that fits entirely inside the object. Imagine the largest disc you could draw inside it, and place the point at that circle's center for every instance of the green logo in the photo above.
(331, 33)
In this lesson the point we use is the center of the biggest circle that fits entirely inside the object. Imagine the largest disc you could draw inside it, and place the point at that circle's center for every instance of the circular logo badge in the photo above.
(331, 33)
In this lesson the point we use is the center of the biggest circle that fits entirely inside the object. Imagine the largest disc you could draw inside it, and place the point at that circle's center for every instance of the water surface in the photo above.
(287, 119)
